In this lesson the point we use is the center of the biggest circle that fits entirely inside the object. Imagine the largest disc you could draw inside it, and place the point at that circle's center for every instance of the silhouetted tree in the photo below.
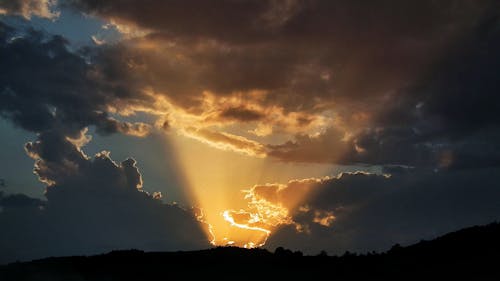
(280, 251)
(395, 249)
(348, 254)
(323, 253)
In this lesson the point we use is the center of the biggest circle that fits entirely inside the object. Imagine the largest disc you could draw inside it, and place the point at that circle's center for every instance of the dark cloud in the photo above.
(450, 110)
(93, 205)
(458, 94)
(233, 20)
(43, 86)
(241, 114)
(14, 201)
(305, 148)
(371, 146)
(300, 50)
(423, 75)
(373, 212)
(257, 21)
(445, 118)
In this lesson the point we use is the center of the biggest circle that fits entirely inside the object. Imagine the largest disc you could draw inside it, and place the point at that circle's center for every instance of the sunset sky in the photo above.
(314, 125)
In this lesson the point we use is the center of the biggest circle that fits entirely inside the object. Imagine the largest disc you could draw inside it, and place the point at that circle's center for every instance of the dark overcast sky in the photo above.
(315, 125)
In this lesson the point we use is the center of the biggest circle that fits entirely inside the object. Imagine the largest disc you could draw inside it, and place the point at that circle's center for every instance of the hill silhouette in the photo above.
(471, 254)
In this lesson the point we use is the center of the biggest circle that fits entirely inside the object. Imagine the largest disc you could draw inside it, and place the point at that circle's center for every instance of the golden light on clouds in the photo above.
(227, 187)
(221, 146)
(237, 122)
(226, 141)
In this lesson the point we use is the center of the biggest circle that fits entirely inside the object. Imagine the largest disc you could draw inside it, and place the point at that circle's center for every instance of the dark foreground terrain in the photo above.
(468, 254)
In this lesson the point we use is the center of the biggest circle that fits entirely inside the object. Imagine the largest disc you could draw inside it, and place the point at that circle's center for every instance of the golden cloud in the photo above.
(226, 141)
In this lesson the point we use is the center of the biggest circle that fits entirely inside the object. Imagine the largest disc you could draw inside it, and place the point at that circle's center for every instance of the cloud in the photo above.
(64, 91)
(84, 88)
(92, 205)
(301, 51)
(443, 118)
(255, 21)
(270, 206)
(381, 146)
(29, 8)
(226, 141)
(241, 114)
(97, 41)
(401, 91)
(364, 212)
(330, 146)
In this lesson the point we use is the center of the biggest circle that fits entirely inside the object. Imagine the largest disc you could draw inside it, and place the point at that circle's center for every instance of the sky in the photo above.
(181, 125)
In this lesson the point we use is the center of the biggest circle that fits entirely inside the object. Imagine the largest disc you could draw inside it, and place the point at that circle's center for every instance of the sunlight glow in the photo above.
(220, 184)
(229, 218)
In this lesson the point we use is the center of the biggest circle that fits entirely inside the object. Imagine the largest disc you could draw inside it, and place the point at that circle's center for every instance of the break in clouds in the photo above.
(409, 87)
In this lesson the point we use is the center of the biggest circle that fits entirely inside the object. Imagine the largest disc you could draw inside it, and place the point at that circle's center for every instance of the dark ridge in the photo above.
(471, 254)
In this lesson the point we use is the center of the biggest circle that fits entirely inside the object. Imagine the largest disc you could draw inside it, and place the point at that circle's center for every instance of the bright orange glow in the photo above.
(220, 184)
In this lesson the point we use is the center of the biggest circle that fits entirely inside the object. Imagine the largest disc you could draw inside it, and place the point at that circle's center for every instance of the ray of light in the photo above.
(216, 180)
